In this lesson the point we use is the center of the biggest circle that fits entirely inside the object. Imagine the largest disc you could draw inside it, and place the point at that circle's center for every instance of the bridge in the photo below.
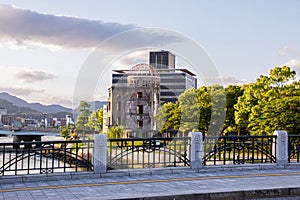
(27, 136)
(167, 162)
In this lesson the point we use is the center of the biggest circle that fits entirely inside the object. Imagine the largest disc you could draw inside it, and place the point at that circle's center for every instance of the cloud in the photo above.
(23, 26)
(283, 51)
(131, 59)
(294, 63)
(228, 80)
(20, 91)
(28, 76)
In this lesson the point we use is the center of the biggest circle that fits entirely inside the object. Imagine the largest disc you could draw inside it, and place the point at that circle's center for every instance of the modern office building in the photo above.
(173, 81)
(136, 93)
(162, 60)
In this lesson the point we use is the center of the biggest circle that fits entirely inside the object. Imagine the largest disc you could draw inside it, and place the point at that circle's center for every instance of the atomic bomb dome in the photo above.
(136, 93)
(143, 69)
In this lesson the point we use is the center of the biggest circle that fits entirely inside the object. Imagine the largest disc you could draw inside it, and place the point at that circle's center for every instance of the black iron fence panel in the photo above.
(45, 157)
(294, 148)
(226, 150)
(147, 153)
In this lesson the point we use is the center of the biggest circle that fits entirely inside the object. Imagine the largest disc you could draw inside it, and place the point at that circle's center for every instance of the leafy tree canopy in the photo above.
(82, 119)
(271, 103)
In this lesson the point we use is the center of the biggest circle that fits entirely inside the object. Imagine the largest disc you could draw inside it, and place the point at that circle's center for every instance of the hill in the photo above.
(34, 106)
(20, 107)
(20, 111)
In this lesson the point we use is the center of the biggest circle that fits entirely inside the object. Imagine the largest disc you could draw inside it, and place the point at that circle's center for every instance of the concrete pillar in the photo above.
(100, 153)
(281, 147)
(196, 150)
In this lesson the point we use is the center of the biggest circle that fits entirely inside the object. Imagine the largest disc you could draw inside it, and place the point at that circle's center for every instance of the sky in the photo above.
(45, 44)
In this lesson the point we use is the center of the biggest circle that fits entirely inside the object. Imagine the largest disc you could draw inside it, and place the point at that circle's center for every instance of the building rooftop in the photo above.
(125, 71)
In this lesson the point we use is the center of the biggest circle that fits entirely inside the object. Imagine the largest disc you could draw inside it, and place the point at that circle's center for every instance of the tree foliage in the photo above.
(193, 110)
(270, 103)
(168, 117)
(233, 92)
(115, 132)
(82, 119)
(95, 120)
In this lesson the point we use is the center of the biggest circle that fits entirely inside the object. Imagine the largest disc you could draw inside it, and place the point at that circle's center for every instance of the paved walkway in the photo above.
(216, 184)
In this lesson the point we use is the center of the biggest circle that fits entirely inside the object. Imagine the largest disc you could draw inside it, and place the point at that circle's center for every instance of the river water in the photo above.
(7, 136)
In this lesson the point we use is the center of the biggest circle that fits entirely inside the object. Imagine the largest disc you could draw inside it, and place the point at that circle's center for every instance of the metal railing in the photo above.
(45, 157)
(294, 148)
(66, 156)
(239, 150)
(147, 153)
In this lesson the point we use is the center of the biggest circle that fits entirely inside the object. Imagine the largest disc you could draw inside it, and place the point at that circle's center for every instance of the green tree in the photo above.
(168, 117)
(82, 119)
(233, 92)
(95, 120)
(115, 132)
(190, 111)
(269, 104)
(193, 111)
(68, 132)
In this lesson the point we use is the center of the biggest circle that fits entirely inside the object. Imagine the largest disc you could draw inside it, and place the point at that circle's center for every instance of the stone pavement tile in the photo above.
(163, 188)
(30, 184)
(10, 198)
(42, 183)
(38, 197)
(52, 183)
(64, 182)
(19, 185)
(10, 195)
(50, 192)
(23, 194)
(7, 186)
(80, 195)
(91, 193)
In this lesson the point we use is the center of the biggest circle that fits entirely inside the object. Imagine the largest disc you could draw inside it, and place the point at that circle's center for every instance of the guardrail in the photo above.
(294, 148)
(147, 153)
(239, 150)
(100, 155)
(45, 157)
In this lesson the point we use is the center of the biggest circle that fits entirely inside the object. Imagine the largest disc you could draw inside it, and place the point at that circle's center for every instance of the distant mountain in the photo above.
(14, 100)
(34, 106)
(49, 109)
(95, 105)
(19, 111)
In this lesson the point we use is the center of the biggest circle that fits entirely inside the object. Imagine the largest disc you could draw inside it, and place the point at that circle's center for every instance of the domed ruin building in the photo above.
(134, 100)
(136, 94)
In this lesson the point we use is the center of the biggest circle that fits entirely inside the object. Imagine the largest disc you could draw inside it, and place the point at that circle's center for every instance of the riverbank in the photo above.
(38, 129)
(9, 139)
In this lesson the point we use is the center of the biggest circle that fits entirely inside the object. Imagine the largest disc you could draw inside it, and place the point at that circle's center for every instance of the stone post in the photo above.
(196, 150)
(281, 147)
(100, 153)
